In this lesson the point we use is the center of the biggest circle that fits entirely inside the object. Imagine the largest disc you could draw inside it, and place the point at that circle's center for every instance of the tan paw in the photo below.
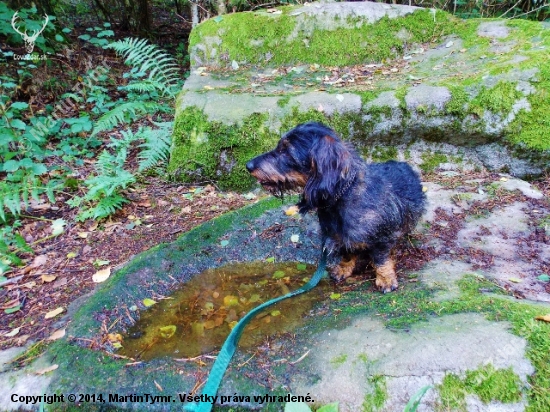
(386, 280)
(343, 270)
(386, 285)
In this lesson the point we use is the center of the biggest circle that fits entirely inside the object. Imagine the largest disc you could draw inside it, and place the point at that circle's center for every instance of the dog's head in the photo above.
(309, 157)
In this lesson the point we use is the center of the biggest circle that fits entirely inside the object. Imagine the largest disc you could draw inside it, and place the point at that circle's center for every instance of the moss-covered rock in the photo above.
(395, 80)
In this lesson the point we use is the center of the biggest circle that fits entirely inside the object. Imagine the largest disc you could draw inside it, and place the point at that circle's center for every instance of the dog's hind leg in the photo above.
(344, 268)
(386, 279)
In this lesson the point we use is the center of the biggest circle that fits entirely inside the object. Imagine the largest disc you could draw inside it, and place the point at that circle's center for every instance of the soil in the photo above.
(61, 268)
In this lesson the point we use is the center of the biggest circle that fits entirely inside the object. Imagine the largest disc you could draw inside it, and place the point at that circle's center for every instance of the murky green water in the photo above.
(198, 317)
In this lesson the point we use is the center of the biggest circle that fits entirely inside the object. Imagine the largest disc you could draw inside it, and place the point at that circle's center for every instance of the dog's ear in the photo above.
(330, 168)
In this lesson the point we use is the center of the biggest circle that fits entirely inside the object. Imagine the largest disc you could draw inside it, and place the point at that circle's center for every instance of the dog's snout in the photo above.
(250, 166)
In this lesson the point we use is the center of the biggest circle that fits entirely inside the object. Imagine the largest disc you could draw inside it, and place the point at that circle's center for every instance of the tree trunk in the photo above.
(221, 7)
(194, 13)
(143, 17)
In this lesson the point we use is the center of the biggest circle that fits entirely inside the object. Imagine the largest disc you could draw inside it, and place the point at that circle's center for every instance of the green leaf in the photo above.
(278, 274)
(167, 331)
(85, 37)
(12, 310)
(58, 226)
(412, 405)
(38, 169)
(106, 33)
(544, 278)
(66, 30)
(99, 262)
(6, 136)
(297, 407)
(335, 296)
(11, 166)
(224, 243)
(148, 302)
(301, 266)
(26, 162)
(331, 407)
(18, 124)
(99, 42)
(270, 259)
(19, 106)
(59, 38)
(254, 298)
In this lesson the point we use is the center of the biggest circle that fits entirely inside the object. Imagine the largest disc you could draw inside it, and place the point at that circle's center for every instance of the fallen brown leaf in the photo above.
(54, 313)
(46, 370)
(545, 318)
(101, 275)
(48, 278)
(38, 261)
(12, 333)
(58, 334)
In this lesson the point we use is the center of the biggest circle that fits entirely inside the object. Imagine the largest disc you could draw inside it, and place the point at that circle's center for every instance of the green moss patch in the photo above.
(415, 303)
(533, 126)
(498, 99)
(256, 38)
(383, 154)
(210, 150)
(214, 151)
(430, 161)
(488, 383)
(339, 360)
(375, 399)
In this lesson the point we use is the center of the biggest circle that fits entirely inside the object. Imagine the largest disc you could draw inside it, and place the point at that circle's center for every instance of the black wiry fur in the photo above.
(362, 208)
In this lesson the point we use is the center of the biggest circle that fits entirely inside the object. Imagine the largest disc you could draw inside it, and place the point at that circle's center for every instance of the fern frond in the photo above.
(102, 185)
(144, 86)
(10, 195)
(105, 164)
(163, 69)
(15, 195)
(123, 113)
(156, 147)
(105, 207)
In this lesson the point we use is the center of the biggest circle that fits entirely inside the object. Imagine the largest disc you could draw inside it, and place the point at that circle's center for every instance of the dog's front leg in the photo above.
(386, 279)
(344, 268)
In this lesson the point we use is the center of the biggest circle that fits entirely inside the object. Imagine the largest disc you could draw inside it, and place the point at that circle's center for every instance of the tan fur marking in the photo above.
(298, 178)
(344, 268)
(386, 279)
(268, 173)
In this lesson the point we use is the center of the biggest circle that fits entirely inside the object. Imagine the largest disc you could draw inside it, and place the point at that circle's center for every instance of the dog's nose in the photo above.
(250, 165)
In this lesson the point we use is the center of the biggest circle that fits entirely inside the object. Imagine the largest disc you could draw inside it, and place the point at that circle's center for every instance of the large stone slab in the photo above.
(400, 79)
(453, 319)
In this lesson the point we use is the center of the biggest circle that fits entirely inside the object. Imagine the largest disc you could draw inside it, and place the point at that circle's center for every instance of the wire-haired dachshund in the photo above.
(363, 209)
